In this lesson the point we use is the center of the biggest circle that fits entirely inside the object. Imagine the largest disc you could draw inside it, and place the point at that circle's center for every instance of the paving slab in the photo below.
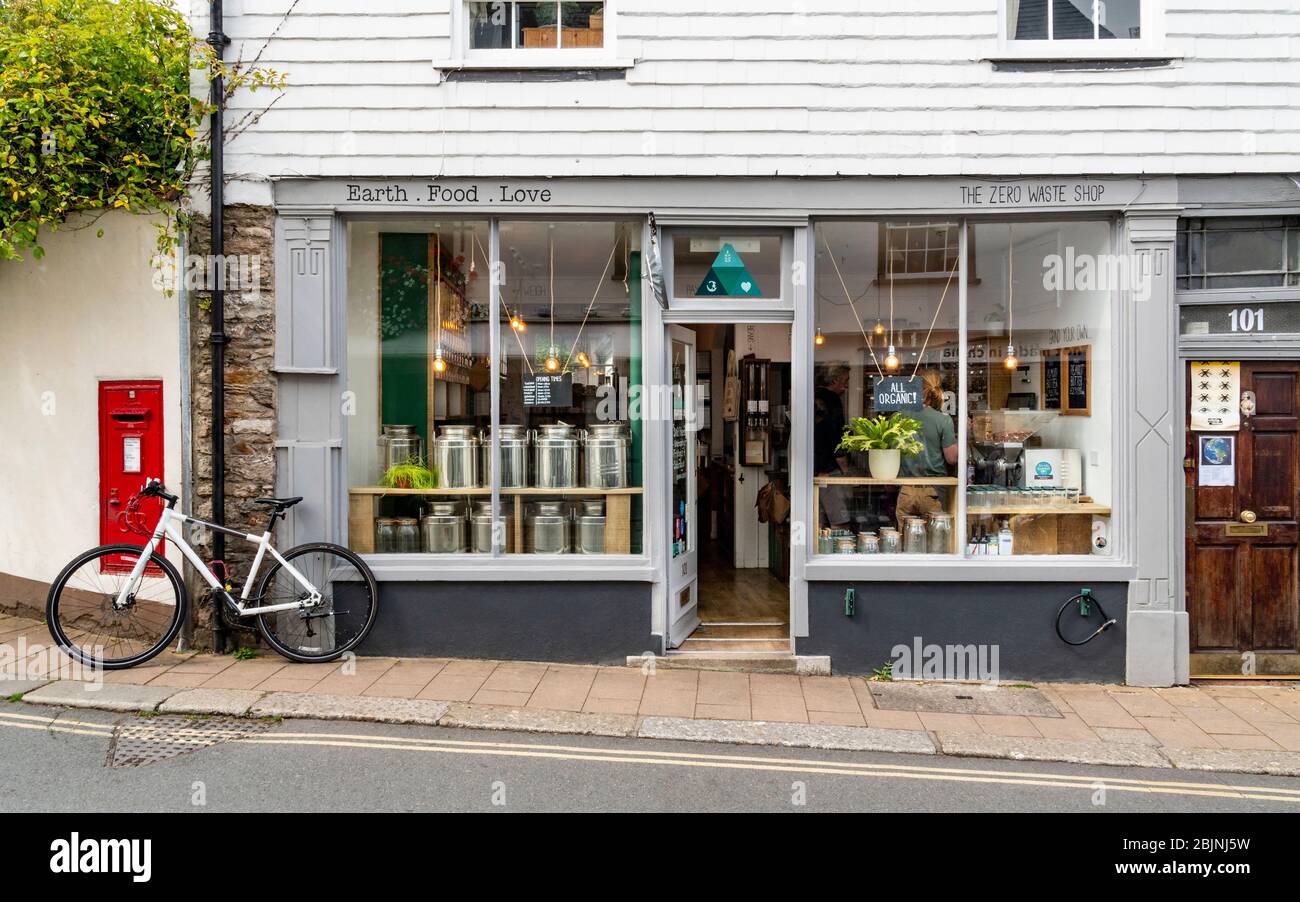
(1070, 751)
(349, 707)
(19, 687)
(1239, 761)
(534, 720)
(105, 696)
(230, 702)
(941, 698)
(790, 735)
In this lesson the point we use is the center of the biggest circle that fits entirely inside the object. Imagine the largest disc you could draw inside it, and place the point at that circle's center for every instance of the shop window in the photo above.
(1040, 394)
(420, 376)
(503, 25)
(1073, 20)
(888, 366)
(1242, 252)
(570, 387)
(737, 266)
(886, 346)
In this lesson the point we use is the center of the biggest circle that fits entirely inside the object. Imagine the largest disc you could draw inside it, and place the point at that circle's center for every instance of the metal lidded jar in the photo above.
(481, 527)
(549, 527)
(590, 537)
(443, 528)
(607, 447)
(938, 528)
(456, 455)
(398, 444)
(385, 535)
(408, 535)
(514, 456)
(555, 456)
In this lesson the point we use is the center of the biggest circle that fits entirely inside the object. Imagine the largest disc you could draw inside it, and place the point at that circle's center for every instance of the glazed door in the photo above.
(1242, 530)
(683, 582)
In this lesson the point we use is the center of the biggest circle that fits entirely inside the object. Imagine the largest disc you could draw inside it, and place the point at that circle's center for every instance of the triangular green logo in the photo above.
(728, 277)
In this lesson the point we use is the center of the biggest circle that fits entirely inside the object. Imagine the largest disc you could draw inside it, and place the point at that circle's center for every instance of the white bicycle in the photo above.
(117, 606)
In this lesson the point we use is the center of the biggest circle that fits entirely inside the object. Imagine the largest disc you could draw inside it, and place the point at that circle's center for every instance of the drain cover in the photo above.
(150, 740)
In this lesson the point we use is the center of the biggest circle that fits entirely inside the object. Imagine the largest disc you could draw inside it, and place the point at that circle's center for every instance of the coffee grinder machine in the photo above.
(998, 440)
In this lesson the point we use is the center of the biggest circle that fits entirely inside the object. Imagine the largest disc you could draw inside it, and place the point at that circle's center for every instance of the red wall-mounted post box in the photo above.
(130, 453)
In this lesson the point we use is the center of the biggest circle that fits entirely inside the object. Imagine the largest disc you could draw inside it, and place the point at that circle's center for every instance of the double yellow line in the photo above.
(736, 762)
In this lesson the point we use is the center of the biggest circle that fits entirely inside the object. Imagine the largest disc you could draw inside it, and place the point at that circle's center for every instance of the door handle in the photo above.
(114, 499)
(1247, 517)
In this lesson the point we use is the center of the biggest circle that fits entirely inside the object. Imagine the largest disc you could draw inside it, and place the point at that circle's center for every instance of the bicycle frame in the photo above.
(169, 525)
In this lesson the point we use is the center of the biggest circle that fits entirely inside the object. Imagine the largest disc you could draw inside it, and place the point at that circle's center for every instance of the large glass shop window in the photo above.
(1040, 403)
(571, 433)
(886, 371)
(419, 402)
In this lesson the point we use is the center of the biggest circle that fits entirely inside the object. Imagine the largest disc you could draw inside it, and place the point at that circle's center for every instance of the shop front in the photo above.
(581, 420)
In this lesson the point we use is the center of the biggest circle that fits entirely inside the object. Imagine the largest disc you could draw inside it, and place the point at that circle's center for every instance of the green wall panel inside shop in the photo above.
(404, 330)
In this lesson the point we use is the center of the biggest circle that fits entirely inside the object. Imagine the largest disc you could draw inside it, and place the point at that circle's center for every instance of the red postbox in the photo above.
(130, 452)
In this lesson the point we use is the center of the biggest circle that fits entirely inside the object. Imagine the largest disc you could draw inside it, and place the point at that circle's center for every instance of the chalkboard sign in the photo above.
(1078, 381)
(547, 390)
(1051, 379)
(899, 393)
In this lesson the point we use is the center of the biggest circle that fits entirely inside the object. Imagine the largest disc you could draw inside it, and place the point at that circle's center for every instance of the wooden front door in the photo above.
(1242, 537)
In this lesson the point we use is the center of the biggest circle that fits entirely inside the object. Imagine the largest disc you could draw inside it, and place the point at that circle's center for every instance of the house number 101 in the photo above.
(1247, 320)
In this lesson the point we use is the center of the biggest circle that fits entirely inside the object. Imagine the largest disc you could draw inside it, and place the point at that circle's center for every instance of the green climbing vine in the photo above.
(102, 107)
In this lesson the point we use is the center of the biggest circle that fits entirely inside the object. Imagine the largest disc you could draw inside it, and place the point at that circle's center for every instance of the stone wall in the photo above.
(250, 392)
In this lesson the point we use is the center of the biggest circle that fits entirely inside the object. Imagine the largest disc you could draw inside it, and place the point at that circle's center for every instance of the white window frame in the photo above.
(464, 57)
(1151, 44)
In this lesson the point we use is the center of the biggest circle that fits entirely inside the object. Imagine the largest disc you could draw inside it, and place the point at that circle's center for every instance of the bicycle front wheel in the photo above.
(86, 621)
(349, 603)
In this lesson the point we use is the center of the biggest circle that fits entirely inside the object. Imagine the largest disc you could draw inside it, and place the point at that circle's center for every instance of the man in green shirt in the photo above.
(938, 452)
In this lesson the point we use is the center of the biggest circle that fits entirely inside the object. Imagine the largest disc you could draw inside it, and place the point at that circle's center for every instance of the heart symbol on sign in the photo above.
(745, 286)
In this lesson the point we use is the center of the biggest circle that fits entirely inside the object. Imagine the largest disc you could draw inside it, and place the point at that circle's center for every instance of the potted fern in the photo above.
(411, 474)
(885, 439)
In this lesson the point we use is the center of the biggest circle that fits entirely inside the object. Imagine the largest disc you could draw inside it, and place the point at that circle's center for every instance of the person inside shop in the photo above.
(938, 440)
(828, 431)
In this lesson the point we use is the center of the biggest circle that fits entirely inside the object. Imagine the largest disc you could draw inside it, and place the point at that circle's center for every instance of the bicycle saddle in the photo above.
(279, 504)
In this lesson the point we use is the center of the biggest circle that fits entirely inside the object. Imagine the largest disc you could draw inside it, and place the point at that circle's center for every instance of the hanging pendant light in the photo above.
(891, 360)
(880, 328)
(553, 360)
(584, 360)
(439, 362)
(517, 323)
(1010, 361)
(819, 339)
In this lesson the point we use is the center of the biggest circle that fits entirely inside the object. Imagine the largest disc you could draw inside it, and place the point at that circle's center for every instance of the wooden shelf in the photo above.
(900, 481)
(1068, 510)
(484, 491)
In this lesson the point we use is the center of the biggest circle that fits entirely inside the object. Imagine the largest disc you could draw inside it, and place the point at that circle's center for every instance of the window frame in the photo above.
(1116, 565)
(498, 566)
(463, 56)
(1151, 44)
(704, 307)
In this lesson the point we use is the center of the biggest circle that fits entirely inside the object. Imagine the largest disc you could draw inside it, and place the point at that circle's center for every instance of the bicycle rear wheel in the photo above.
(85, 622)
(342, 620)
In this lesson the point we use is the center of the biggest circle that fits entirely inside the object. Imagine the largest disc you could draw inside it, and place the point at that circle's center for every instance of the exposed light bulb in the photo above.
(891, 361)
(553, 360)
(880, 328)
(1010, 362)
(819, 339)
(439, 362)
(584, 360)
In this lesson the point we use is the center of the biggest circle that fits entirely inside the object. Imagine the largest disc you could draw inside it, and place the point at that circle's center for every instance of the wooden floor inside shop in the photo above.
(741, 610)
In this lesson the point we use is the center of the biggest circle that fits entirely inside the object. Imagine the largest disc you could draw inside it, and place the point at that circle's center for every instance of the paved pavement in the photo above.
(1246, 728)
(64, 761)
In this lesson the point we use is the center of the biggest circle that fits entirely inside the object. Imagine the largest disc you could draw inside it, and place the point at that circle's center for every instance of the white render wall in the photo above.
(88, 311)
(746, 87)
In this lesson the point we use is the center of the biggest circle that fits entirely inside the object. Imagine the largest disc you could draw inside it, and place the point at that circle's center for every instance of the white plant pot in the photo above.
(885, 464)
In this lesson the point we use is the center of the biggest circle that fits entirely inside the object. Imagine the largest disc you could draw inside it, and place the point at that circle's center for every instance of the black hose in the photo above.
(1081, 598)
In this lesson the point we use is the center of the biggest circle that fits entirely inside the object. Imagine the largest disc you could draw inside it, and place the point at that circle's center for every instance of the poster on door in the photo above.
(1217, 460)
(1216, 396)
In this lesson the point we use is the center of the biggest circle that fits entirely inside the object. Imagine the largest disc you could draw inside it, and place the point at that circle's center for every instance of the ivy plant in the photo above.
(102, 107)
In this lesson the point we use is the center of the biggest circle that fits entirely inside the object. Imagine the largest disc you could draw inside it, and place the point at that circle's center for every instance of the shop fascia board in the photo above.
(735, 200)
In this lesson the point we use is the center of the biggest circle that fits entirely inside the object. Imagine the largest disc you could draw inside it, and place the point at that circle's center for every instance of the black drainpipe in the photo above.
(217, 38)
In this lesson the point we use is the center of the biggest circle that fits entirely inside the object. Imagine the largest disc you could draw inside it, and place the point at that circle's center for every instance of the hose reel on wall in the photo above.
(1085, 600)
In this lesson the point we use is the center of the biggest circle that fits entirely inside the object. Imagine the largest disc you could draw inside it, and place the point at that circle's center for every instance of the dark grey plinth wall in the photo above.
(572, 622)
(1016, 617)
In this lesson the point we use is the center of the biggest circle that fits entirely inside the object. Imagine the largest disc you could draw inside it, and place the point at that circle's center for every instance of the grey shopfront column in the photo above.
(308, 363)
(1157, 651)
